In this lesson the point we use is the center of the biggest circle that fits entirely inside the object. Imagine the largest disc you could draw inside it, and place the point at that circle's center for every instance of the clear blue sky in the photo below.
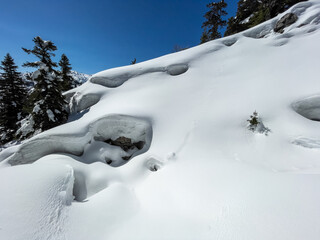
(101, 34)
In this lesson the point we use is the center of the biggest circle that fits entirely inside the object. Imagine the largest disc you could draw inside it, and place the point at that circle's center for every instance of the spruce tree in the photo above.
(47, 104)
(214, 20)
(13, 94)
(65, 73)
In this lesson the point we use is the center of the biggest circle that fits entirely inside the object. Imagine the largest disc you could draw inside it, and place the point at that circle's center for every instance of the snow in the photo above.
(27, 125)
(51, 115)
(201, 173)
(308, 107)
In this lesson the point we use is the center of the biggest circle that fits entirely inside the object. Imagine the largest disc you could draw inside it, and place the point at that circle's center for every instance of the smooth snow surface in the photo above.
(191, 169)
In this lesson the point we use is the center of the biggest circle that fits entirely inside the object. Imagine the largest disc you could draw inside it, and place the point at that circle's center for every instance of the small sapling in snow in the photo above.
(256, 125)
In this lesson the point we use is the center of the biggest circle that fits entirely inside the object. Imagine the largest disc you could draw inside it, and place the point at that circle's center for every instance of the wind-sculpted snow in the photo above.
(90, 141)
(308, 107)
(260, 31)
(38, 147)
(205, 171)
(116, 77)
(79, 102)
(229, 41)
(307, 142)
(177, 69)
(47, 196)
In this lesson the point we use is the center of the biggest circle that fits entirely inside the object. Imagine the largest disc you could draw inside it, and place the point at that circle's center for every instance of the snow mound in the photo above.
(229, 41)
(177, 69)
(116, 77)
(111, 127)
(80, 102)
(308, 107)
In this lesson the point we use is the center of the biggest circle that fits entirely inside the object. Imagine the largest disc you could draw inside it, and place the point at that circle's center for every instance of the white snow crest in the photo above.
(51, 115)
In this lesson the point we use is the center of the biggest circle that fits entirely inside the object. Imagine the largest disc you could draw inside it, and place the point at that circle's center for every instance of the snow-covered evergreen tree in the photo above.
(68, 82)
(47, 105)
(13, 94)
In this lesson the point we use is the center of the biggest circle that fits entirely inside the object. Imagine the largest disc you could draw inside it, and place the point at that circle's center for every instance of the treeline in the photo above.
(25, 113)
(249, 14)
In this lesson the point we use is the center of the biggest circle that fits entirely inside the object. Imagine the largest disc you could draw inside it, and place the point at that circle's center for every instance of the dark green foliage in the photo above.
(214, 21)
(253, 121)
(12, 94)
(204, 37)
(134, 61)
(256, 124)
(46, 103)
(65, 73)
(253, 12)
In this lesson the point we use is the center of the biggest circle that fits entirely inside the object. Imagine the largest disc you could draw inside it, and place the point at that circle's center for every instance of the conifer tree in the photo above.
(214, 20)
(47, 104)
(13, 93)
(204, 37)
(65, 73)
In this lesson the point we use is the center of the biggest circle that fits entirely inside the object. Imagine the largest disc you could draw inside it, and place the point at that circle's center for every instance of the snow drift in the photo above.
(161, 149)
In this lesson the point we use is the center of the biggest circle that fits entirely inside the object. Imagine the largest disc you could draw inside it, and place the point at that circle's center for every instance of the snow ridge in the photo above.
(161, 149)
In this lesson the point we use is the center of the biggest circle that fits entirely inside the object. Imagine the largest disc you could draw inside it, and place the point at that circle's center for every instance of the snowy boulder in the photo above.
(126, 136)
(308, 107)
(117, 138)
(229, 41)
(79, 102)
(177, 69)
(38, 147)
(285, 21)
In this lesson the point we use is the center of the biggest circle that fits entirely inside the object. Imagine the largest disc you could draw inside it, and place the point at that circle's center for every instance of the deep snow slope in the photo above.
(187, 166)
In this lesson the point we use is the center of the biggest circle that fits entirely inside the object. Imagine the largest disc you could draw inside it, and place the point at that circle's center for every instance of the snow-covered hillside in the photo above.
(161, 149)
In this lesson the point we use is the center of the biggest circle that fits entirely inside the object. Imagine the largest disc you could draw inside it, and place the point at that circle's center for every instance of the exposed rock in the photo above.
(285, 21)
(126, 158)
(125, 143)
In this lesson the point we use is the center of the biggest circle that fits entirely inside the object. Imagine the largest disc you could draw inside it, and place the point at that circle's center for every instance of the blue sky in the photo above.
(97, 35)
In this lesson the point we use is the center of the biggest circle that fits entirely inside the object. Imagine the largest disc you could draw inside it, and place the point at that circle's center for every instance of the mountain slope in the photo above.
(161, 149)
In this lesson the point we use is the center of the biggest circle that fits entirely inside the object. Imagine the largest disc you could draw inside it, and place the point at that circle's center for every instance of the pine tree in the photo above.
(13, 93)
(204, 37)
(65, 73)
(214, 20)
(47, 104)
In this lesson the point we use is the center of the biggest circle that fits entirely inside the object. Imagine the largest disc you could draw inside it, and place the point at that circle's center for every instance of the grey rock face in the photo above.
(285, 21)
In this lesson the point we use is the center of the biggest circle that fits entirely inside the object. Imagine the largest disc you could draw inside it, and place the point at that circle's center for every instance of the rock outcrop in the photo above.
(285, 21)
